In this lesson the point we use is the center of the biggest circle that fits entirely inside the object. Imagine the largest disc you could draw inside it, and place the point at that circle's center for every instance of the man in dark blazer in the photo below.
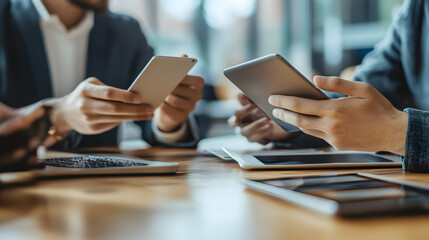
(48, 48)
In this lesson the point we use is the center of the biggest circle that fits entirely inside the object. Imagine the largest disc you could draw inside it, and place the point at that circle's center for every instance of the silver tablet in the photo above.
(315, 160)
(347, 195)
(159, 78)
(272, 74)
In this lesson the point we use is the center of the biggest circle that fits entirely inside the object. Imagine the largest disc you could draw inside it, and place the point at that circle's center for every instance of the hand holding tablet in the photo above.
(272, 75)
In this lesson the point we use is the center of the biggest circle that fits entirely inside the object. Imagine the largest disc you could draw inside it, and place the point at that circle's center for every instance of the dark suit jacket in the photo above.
(117, 51)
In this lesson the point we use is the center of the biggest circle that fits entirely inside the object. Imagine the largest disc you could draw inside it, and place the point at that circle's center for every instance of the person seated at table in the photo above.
(367, 114)
(48, 48)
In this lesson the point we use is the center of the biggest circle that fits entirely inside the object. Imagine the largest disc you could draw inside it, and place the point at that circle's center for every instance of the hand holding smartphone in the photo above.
(159, 78)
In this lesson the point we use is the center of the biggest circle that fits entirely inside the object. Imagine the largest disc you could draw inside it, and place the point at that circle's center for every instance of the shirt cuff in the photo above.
(417, 144)
(171, 137)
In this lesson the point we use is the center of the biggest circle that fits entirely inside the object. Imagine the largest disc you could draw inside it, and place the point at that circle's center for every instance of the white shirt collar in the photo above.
(84, 26)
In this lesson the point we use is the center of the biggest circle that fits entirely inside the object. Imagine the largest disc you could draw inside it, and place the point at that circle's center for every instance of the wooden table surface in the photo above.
(205, 200)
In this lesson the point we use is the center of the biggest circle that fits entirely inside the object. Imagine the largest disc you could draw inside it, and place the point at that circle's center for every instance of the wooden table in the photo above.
(205, 200)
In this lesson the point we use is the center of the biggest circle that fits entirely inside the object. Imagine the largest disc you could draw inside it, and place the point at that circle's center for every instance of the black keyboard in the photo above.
(92, 162)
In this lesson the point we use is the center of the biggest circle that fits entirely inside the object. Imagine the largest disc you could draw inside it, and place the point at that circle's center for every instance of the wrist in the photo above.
(168, 128)
(398, 135)
(57, 117)
(164, 124)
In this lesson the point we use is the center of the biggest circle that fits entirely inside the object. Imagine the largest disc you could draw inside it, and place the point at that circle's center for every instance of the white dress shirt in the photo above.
(66, 50)
(67, 57)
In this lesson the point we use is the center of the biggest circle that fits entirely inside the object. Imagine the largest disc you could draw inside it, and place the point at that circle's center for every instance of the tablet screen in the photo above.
(320, 158)
(344, 188)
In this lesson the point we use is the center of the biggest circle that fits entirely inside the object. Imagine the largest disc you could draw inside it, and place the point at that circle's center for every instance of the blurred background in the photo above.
(316, 36)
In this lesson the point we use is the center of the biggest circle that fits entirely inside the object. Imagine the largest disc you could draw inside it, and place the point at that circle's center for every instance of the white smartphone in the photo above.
(269, 75)
(160, 77)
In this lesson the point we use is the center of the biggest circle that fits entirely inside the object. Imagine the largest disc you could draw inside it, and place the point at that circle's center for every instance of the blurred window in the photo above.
(317, 36)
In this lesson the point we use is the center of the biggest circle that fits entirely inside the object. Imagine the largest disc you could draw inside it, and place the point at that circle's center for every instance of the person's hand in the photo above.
(174, 111)
(94, 107)
(363, 121)
(12, 121)
(255, 125)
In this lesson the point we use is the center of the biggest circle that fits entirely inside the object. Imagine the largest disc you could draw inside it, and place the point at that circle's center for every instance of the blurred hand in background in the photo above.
(255, 125)
(18, 149)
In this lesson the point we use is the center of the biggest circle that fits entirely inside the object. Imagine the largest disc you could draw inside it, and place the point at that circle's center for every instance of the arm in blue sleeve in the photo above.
(383, 67)
(417, 144)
